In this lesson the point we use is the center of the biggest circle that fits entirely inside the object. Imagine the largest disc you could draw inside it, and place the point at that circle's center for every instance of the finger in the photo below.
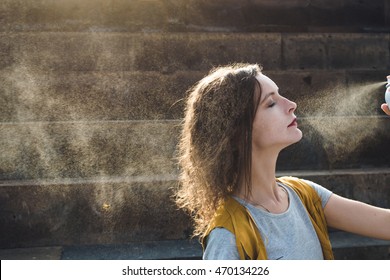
(385, 108)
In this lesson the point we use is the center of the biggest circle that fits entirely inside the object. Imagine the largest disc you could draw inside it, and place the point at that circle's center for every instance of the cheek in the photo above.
(267, 129)
(265, 123)
(263, 133)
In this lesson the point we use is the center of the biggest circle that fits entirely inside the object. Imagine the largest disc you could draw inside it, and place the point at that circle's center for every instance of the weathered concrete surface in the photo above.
(339, 143)
(35, 253)
(366, 185)
(333, 92)
(148, 148)
(27, 95)
(99, 212)
(109, 211)
(345, 246)
(87, 149)
(194, 15)
(336, 51)
(149, 250)
(166, 53)
(88, 51)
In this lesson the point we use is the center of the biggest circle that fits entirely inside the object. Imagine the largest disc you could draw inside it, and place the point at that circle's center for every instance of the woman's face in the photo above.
(275, 125)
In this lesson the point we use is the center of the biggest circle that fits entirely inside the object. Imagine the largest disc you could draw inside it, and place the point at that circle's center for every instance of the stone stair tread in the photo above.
(76, 149)
(160, 250)
(169, 52)
(191, 249)
(33, 253)
(174, 177)
(192, 15)
(92, 96)
(29, 95)
(102, 210)
(90, 180)
(39, 150)
(340, 239)
(164, 249)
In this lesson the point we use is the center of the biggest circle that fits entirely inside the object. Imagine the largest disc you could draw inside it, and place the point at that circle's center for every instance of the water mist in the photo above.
(344, 119)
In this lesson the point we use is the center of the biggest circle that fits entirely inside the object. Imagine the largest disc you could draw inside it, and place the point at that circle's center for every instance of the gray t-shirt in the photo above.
(287, 236)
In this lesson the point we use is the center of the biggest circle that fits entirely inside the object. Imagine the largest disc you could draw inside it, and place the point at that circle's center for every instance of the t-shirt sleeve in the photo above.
(221, 245)
(322, 192)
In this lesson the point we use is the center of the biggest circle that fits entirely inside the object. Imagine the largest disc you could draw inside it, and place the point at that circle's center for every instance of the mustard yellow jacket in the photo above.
(236, 218)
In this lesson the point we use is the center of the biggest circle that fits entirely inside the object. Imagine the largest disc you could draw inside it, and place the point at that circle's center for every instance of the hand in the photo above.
(385, 108)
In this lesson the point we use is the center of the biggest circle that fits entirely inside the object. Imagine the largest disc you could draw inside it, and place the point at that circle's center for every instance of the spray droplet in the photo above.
(106, 206)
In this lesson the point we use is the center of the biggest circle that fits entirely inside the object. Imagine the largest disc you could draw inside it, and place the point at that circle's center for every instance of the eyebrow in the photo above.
(267, 96)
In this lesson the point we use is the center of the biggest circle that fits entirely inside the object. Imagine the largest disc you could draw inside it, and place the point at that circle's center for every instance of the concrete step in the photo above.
(367, 185)
(111, 210)
(169, 52)
(27, 95)
(87, 149)
(96, 211)
(194, 15)
(345, 246)
(34, 150)
(354, 247)
(330, 143)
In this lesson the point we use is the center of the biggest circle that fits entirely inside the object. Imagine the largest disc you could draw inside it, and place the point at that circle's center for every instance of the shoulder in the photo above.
(223, 216)
(322, 192)
(307, 189)
(221, 245)
(300, 186)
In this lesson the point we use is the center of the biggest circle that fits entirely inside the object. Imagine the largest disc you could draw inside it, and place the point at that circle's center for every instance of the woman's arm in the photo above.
(357, 217)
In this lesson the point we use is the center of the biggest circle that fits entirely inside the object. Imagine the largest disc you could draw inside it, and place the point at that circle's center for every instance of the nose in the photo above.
(291, 105)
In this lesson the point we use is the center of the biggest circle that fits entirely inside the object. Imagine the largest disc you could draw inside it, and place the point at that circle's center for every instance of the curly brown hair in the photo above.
(216, 140)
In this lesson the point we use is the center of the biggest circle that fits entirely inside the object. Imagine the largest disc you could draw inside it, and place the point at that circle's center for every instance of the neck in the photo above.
(263, 183)
(263, 190)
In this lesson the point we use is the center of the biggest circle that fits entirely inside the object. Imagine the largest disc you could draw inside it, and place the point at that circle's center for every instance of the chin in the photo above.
(286, 145)
(297, 138)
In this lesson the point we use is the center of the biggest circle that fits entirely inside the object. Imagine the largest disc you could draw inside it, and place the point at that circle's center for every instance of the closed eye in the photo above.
(271, 104)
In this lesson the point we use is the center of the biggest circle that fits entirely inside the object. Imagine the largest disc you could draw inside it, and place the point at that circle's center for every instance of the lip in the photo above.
(293, 123)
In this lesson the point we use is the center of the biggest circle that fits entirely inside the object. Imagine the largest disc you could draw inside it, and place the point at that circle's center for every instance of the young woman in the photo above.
(236, 123)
